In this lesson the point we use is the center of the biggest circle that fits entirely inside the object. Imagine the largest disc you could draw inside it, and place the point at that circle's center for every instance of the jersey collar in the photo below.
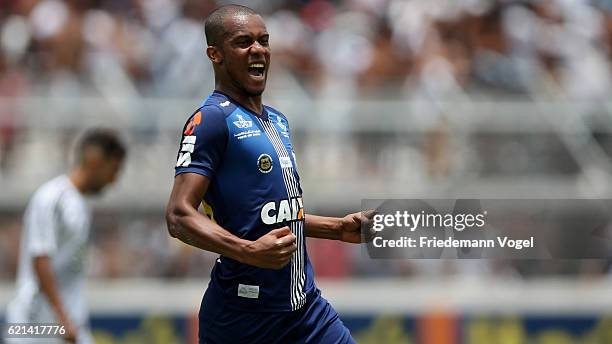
(263, 115)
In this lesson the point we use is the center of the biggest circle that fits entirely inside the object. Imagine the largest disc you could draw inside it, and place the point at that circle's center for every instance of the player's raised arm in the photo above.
(347, 229)
(185, 223)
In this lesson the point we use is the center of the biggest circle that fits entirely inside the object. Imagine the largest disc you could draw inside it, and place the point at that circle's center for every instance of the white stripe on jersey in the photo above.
(298, 275)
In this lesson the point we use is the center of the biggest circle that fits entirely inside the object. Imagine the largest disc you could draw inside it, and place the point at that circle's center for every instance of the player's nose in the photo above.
(257, 49)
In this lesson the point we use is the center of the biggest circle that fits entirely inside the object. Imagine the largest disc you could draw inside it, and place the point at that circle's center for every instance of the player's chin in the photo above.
(255, 86)
(97, 189)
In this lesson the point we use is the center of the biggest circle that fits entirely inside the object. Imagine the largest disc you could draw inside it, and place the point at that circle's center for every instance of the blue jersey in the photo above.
(254, 188)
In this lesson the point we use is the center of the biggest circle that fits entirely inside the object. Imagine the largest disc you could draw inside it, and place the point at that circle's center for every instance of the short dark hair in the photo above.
(107, 140)
(214, 24)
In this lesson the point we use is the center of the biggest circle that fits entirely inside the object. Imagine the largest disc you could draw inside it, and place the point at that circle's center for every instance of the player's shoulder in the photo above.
(55, 185)
(215, 108)
(218, 103)
(208, 112)
(51, 190)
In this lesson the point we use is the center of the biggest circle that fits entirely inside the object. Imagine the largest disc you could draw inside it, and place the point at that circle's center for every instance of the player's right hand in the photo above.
(71, 331)
(273, 250)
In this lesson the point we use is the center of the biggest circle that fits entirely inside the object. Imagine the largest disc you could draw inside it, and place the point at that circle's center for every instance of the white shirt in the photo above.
(56, 224)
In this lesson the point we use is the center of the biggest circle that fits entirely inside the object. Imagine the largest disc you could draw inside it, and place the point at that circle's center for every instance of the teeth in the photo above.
(256, 65)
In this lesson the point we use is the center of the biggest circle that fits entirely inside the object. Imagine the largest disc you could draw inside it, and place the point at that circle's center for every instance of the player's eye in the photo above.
(244, 43)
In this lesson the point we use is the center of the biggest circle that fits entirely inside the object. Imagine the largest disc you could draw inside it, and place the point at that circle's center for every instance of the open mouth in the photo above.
(257, 69)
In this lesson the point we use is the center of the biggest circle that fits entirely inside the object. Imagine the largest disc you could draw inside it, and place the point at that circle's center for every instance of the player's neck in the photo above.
(252, 103)
(77, 178)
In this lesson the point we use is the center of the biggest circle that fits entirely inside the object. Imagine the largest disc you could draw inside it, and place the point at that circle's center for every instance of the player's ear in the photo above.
(214, 54)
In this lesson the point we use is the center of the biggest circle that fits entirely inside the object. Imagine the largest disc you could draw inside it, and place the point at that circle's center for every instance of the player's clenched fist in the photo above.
(273, 250)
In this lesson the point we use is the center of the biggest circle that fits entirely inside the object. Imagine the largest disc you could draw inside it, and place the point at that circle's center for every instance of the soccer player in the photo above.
(236, 158)
(54, 241)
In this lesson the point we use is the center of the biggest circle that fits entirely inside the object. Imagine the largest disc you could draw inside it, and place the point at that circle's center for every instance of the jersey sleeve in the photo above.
(41, 226)
(203, 142)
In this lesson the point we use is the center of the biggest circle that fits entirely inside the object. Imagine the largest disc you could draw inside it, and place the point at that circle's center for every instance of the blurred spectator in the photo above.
(12, 85)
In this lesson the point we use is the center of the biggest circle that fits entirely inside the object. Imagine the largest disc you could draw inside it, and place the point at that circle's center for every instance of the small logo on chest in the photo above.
(264, 163)
(242, 123)
(285, 162)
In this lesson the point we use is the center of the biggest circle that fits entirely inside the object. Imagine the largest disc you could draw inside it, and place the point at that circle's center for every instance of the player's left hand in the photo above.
(351, 227)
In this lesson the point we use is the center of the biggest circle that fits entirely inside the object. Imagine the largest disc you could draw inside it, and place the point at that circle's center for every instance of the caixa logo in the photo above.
(282, 211)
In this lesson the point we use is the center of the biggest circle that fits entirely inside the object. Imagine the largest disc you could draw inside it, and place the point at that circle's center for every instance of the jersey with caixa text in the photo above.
(254, 188)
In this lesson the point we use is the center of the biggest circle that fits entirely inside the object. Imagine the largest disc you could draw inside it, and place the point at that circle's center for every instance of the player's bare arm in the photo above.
(347, 228)
(48, 286)
(187, 224)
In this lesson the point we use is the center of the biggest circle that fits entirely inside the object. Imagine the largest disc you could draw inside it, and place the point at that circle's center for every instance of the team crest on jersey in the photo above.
(242, 123)
(264, 163)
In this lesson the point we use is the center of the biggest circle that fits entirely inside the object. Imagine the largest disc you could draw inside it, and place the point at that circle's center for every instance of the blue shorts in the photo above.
(316, 322)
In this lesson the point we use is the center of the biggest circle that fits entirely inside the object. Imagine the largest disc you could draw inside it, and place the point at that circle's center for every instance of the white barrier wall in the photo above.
(464, 295)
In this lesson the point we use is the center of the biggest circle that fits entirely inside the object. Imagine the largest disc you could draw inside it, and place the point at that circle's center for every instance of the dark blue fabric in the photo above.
(315, 323)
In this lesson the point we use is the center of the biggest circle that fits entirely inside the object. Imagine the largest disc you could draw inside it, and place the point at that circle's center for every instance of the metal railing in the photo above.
(346, 150)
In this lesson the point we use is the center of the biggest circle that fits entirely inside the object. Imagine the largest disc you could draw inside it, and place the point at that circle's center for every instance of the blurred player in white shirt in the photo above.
(55, 239)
